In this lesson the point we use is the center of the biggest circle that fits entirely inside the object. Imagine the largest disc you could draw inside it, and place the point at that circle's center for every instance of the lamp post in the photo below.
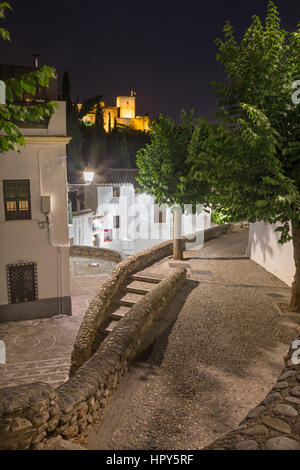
(88, 175)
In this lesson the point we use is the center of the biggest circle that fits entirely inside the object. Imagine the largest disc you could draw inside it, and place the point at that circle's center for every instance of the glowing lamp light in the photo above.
(88, 175)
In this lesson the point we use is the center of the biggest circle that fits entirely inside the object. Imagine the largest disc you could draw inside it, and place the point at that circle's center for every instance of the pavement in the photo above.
(40, 350)
(214, 354)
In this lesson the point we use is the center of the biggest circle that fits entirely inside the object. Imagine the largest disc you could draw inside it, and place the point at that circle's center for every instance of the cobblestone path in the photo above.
(214, 354)
(40, 350)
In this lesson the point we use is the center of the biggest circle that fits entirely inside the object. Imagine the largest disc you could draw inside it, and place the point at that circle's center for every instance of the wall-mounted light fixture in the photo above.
(88, 175)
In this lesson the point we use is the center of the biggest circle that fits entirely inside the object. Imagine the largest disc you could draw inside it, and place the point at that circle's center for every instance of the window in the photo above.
(159, 214)
(116, 191)
(116, 221)
(17, 199)
(22, 282)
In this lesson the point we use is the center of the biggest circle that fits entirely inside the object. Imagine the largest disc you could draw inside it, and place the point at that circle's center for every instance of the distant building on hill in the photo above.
(123, 114)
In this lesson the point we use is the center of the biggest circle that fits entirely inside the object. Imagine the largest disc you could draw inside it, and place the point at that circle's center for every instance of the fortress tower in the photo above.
(123, 114)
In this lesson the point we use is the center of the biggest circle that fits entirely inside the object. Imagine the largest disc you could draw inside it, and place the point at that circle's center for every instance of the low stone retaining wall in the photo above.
(91, 252)
(98, 309)
(36, 412)
(218, 230)
(275, 423)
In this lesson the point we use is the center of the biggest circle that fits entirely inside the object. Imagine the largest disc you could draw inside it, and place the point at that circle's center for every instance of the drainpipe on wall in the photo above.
(59, 246)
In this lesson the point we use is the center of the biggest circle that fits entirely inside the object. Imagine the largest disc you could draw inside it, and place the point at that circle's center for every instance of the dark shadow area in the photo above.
(162, 327)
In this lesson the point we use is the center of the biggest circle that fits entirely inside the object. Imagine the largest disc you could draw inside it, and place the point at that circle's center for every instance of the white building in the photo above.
(117, 216)
(265, 250)
(34, 253)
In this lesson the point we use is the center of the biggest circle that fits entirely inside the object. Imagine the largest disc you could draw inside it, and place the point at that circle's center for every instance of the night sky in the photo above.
(162, 49)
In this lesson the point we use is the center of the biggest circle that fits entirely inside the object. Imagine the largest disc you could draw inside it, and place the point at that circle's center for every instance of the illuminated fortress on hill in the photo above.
(122, 114)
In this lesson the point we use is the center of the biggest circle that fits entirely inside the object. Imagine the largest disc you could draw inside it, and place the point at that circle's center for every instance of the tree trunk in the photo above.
(294, 305)
(177, 234)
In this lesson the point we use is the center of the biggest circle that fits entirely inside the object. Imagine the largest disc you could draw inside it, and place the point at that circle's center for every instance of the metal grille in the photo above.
(22, 282)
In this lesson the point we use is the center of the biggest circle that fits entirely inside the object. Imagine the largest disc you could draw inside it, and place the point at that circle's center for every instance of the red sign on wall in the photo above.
(108, 236)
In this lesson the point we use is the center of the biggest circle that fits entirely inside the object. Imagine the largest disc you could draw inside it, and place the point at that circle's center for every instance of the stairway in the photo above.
(137, 286)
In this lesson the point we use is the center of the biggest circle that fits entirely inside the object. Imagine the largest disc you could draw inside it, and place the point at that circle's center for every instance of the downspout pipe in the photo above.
(59, 247)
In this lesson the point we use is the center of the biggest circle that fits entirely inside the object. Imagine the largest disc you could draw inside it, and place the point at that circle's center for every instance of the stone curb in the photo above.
(275, 423)
(92, 252)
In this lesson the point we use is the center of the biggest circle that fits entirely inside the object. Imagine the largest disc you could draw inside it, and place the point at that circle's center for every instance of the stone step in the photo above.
(109, 326)
(139, 277)
(12, 380)
(129, 299)
(125, 303)
(148, 286)
(137, 290)
(36, 367)
(36, 362)
(120, 312)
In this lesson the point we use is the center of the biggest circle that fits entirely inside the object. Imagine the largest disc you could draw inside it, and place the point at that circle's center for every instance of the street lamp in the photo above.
(88, 175)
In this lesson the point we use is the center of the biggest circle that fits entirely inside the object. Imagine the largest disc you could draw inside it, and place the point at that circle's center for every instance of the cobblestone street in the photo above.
(40, 350)
(214, 354)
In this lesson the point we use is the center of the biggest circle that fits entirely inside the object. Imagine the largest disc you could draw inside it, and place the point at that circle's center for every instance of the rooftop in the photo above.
(117, 177)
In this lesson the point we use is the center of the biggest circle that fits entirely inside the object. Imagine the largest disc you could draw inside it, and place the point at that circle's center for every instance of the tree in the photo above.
(83, 138)
(96, 139)
(123, 151)
(66, 92)
(251, 156)
(165, 171)
(99, 122)
(11, 113)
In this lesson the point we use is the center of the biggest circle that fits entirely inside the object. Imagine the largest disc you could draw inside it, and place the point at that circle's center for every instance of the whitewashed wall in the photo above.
(24, 240)
(81, 229)
(265, 250)
(139, 221)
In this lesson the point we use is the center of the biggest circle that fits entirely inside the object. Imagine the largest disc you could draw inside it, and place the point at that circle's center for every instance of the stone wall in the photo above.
(91, 252)
(275, 423)
(98, 309)
(36, 412)
(218, 230)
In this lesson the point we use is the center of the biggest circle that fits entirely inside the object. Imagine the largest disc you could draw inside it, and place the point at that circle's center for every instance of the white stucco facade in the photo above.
(128, 223)
(265, 250)
(43, 163)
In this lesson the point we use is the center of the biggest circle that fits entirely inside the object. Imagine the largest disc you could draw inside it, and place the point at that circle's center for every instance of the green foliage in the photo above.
(3, 32)
(222, 215)
(165, 163)
(251, 156)
(11, 113)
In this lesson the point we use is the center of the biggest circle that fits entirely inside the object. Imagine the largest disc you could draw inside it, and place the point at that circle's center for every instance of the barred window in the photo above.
(116, 221)
(22, 282)
(116, 191)
(160, 214)
(17, 199)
